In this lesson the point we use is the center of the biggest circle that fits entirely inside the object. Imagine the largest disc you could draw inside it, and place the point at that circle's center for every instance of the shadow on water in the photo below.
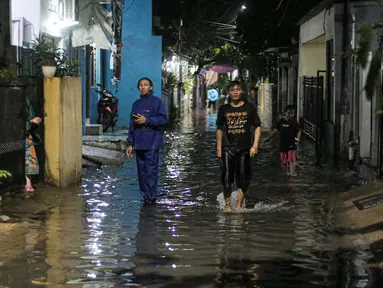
(109, 238)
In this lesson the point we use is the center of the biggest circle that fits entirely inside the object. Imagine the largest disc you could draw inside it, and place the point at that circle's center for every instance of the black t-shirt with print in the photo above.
(288, 130)
(238, 124)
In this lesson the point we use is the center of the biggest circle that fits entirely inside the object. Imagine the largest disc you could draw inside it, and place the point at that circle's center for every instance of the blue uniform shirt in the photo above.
(149, 136)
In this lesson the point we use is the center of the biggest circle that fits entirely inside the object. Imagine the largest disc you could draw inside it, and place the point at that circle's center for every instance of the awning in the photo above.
(221, 68)
(95, 26)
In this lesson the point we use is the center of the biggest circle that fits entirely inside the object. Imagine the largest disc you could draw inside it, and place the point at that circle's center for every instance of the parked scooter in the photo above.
(107, 109)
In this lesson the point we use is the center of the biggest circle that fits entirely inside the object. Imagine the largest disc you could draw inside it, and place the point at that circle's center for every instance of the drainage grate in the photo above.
(368, 202)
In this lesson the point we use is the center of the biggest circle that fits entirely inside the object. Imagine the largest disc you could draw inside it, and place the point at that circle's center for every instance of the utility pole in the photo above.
(343, 106)
(179, 56)
(87, 85)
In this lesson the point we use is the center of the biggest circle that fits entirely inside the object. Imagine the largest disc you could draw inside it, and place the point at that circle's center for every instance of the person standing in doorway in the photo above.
(236, 123)
(146, 138)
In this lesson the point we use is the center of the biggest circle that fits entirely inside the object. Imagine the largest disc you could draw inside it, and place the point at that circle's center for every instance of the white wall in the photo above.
(329, 22)
(30, 10)
(50, 19)
(312, 29)
(37, 12)
(312, 57)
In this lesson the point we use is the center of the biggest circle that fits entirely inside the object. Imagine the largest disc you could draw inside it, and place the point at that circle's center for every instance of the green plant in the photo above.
(362, 53)
(45, 54)
(169, 80)
(5, 174)
(48, 62)
(68, 68)
(174, 112)
(5, 73)
(222, 82)
(188, 86)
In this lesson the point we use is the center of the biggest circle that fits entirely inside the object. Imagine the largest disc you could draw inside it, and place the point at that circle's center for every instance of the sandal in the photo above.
(29, 189)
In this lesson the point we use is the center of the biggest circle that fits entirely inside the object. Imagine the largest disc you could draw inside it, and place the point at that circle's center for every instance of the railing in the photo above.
(25, 66)
(313, 109)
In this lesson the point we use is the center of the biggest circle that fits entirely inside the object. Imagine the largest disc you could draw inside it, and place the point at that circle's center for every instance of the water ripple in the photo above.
(283, 238)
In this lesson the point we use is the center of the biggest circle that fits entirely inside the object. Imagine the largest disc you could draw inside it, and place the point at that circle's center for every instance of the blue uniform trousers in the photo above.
(147, 166)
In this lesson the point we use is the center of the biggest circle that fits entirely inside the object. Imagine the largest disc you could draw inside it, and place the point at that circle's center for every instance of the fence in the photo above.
(25, 66)
(13, 93)
(313, 109)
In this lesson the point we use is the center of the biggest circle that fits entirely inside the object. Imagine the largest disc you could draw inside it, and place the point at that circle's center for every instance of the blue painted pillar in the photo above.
(141, 56)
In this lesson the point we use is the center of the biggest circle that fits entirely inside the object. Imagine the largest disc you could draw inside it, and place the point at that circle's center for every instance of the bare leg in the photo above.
(228, 205)
(28, 181)
(28, 184)
(288, 170)
(240, 197)
(292, 168)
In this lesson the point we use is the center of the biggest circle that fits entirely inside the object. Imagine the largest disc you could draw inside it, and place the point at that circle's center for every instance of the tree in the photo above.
(362, 52)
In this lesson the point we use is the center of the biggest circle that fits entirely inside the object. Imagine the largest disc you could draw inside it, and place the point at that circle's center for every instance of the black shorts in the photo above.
(235, 166)
(211, 103)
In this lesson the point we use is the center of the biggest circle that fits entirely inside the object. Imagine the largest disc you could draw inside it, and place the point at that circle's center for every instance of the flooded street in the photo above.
(104, 236)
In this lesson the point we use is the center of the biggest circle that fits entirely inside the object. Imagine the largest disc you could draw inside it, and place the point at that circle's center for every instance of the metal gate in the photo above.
(313, 109)
(12, 122)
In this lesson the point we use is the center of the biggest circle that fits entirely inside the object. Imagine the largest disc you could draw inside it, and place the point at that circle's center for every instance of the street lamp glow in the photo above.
(243, 7)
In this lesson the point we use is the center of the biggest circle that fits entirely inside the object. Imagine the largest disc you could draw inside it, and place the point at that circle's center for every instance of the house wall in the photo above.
(30, 10)
(351, 110)
(312, 57)
(141, 56)
(38, 13)
(367, 128)
(50, 19)
(312, 29)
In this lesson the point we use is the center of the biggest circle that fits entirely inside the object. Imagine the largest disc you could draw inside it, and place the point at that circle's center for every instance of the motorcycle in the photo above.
(107, 109)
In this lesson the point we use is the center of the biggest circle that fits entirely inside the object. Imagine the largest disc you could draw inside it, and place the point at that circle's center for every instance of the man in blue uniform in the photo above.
(146, 137)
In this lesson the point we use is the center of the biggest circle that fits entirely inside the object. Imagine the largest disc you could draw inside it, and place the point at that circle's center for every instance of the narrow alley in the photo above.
(104, 236)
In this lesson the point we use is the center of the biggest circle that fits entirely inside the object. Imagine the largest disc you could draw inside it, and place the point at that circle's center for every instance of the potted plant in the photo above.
(45, 56)
(49, 67)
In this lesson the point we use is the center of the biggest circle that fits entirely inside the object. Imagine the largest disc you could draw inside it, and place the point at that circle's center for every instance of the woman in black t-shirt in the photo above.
(235, 123)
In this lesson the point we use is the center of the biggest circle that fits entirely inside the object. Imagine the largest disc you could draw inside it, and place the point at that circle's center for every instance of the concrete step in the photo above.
(112, 145)
(93, 129)
(103, 138)
(105, 156)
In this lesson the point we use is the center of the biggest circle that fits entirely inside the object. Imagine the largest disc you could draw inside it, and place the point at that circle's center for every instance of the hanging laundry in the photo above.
(211, 77)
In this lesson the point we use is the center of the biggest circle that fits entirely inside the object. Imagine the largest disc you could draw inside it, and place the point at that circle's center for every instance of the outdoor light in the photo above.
(243, 7)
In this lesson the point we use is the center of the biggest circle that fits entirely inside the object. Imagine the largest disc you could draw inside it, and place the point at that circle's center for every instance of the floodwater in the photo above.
(102, 235)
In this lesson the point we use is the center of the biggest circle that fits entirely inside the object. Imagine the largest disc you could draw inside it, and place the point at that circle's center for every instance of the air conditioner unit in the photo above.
(70, 10)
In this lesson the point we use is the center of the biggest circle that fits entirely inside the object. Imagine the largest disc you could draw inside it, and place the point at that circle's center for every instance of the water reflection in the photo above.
(284, 239)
